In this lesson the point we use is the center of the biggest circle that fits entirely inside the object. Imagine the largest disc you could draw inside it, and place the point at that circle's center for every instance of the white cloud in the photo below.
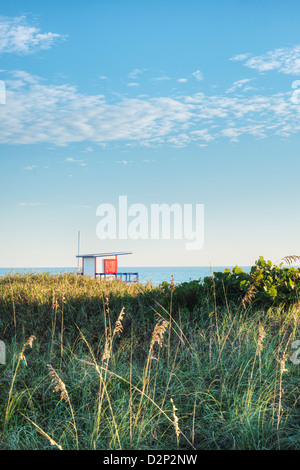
(135, 73)
(198, 75)
(203, 134)
(162, 78)
(233, 133)
(72, 160)
(16, 36)
(182, 80)
(30, 168)
(59, 114)
(30, 204)
(241, 85)
(38, 112)
(285, 60)
(240, 57)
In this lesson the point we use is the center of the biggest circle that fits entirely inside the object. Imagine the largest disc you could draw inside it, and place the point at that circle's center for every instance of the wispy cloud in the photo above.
(30, 167)
(30, 204)
(285, 60)
(88, 150)
(241, 85)
(240, 57)
(162, 78)
(124, 162)
(198, 75)
(17, 36)
(135, 73)
(39, 112)
(203, 134)
(72, 160)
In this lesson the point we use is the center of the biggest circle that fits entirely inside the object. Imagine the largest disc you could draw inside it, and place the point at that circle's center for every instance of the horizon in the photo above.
(191, 105)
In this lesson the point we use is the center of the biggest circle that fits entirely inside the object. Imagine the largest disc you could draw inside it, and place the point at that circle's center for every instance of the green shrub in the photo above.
(266, 285)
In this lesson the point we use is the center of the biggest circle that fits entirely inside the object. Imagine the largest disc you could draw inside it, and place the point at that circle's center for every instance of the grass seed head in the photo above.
(119, 326)
(172, 284)
(59, 384)
(107, 348)
(176, 420)
(261, 337)
(158, 333)
(30, 341)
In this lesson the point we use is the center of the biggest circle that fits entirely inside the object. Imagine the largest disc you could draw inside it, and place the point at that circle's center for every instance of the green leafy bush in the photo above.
(266, 284)
(273, 284)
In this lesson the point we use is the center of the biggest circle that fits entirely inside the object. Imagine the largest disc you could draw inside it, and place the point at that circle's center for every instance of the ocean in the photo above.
(156, 275)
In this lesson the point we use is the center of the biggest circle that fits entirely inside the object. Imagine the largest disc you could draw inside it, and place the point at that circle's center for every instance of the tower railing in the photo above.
(127, 277)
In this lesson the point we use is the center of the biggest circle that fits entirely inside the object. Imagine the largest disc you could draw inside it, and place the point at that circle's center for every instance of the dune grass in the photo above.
(106, 365)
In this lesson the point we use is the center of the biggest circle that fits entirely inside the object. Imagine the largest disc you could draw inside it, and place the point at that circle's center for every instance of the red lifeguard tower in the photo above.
(103, 265)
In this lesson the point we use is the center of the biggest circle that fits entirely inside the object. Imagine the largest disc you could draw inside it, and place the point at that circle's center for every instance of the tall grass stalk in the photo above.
(21, 357)
(99, 370)
(122, 352)
(61, 387)
(43, 433)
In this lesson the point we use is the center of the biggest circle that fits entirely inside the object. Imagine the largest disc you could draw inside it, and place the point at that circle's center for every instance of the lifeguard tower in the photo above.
(105, 265)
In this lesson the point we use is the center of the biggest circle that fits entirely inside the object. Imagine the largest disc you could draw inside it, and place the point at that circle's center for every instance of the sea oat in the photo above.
(176, 420)
(107, 349)
(60, 387)
(261, 337)
(23, 358)
(282, 364)
(118, 326)
(59, 384)
(107, 305)
(30, 341)
(290, 259)
(158, 333)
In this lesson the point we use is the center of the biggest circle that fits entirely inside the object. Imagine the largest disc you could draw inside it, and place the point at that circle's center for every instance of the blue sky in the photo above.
(188, 102)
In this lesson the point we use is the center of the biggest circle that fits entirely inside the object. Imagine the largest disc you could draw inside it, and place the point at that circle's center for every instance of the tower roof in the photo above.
(104, 255)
